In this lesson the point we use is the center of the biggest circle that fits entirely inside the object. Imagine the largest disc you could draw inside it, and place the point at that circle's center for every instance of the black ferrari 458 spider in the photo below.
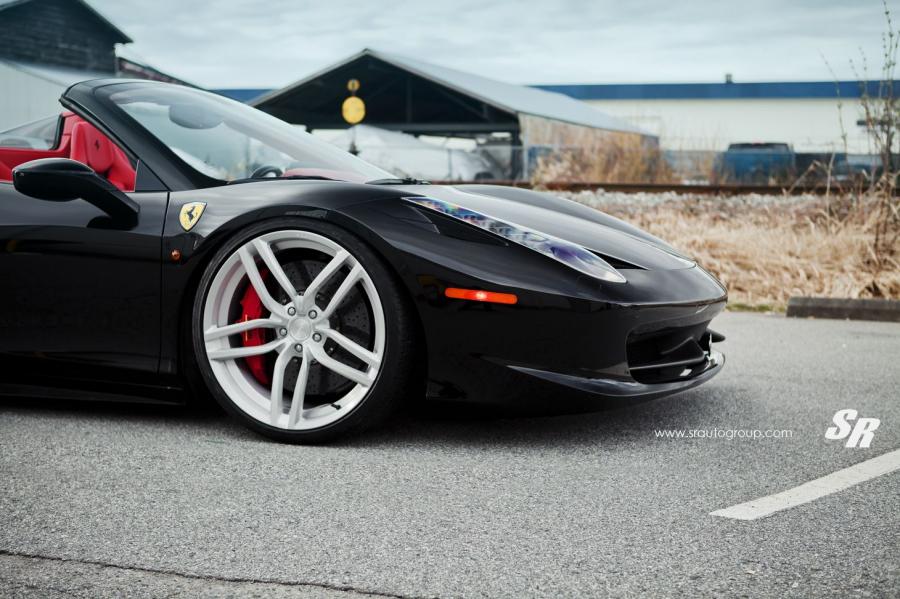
(159, 241)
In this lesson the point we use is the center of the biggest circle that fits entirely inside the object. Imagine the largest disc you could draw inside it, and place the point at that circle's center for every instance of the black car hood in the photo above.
(576, 223)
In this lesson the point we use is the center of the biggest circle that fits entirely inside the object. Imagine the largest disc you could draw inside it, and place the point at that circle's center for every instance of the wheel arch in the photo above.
(183, 360)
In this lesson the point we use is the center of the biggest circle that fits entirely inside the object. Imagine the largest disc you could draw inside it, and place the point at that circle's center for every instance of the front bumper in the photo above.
(602, 356)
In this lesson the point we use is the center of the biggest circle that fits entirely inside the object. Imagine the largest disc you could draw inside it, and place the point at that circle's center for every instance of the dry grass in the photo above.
(766, 250)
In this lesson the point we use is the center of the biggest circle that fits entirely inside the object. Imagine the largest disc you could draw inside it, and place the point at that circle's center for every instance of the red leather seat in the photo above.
(95, 150)
(80, 141)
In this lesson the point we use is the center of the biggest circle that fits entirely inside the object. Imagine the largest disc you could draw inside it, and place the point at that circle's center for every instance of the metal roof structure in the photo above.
(242, 94)
(720, 91)
(431, 98)
(53, 74)
(677, 91)
(65, 76)
(132, 69)
(118, 33)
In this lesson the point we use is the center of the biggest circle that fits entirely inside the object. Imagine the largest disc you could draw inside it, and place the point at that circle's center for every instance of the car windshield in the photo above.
(228, 141)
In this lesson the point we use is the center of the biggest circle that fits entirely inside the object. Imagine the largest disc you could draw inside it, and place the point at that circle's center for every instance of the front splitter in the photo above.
(625, 389)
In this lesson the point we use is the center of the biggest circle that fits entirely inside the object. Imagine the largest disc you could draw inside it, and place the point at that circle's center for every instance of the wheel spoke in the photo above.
(233, 353)
(342, 291)
(276, 406)
(268, 257)
(326, 273)
(214, 333)
(354, 348)
(348, 372)
(258, 284)
(296, 412)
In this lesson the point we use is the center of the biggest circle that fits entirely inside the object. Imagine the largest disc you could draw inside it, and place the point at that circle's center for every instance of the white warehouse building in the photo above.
(809, 115)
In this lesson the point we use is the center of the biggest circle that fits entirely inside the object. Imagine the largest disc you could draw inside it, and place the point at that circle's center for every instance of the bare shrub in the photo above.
(617, 159)
(873, 200)
(764, 249)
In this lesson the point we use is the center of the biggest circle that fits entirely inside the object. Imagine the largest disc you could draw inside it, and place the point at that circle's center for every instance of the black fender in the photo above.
(231, 208)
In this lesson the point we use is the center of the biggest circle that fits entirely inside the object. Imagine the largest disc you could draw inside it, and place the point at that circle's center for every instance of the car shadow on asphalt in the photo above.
(474, 426)
(428, 424)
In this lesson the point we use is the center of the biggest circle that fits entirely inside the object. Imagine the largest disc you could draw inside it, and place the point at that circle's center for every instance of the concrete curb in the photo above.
(884, 310)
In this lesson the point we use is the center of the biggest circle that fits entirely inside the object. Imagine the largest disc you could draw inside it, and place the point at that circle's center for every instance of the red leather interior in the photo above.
(90, 147)
(13, 157)
(80, 141)
(95, 150)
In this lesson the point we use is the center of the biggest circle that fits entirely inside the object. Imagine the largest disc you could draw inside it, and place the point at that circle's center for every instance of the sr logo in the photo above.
(861, 434)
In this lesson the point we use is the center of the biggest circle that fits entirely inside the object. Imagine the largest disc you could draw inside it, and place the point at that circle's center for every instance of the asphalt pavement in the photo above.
(138, 501)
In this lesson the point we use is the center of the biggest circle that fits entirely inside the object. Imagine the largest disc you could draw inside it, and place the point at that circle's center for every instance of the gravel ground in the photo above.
(600, 198)
(101, 501)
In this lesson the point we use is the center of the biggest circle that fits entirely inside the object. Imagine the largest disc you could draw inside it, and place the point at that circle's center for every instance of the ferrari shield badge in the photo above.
(190, 214)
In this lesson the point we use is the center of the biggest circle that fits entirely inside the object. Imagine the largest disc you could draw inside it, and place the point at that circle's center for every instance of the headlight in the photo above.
(572, 255)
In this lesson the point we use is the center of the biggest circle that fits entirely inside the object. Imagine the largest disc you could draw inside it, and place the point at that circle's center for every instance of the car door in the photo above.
(79, 293)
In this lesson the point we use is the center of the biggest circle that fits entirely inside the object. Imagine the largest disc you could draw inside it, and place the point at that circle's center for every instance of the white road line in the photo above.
(814, 489)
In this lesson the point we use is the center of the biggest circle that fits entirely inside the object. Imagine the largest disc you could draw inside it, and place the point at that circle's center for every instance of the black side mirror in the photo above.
(62, 180)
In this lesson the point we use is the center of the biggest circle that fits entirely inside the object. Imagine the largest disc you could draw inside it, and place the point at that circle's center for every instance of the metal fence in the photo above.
(645, 166)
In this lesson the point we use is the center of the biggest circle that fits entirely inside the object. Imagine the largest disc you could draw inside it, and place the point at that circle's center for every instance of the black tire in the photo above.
(394, 381)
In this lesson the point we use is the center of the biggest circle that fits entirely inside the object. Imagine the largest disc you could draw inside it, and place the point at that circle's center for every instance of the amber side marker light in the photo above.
(477, 295)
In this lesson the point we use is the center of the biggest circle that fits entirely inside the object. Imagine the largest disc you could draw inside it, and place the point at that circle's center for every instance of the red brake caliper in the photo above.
(252, 309)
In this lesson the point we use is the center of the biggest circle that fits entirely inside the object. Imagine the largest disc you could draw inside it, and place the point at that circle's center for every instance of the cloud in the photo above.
(235, 43)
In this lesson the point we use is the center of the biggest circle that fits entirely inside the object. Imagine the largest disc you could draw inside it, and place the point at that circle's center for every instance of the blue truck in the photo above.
(758, 163)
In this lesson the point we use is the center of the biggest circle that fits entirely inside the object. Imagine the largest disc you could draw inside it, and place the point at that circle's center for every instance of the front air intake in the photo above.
(668, 354)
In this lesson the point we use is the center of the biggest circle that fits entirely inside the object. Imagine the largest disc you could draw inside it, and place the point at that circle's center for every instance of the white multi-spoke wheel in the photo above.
(301, 331)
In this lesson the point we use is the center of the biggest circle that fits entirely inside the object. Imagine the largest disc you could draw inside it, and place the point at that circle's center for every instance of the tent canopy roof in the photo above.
(432, 98)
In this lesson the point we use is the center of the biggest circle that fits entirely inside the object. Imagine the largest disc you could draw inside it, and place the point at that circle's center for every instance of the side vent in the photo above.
(616, 263)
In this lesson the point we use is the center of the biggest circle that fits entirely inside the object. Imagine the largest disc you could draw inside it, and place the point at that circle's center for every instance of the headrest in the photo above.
(92, 147)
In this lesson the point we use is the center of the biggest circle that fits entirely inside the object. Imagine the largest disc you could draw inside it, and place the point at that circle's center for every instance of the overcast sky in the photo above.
(246, 43)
